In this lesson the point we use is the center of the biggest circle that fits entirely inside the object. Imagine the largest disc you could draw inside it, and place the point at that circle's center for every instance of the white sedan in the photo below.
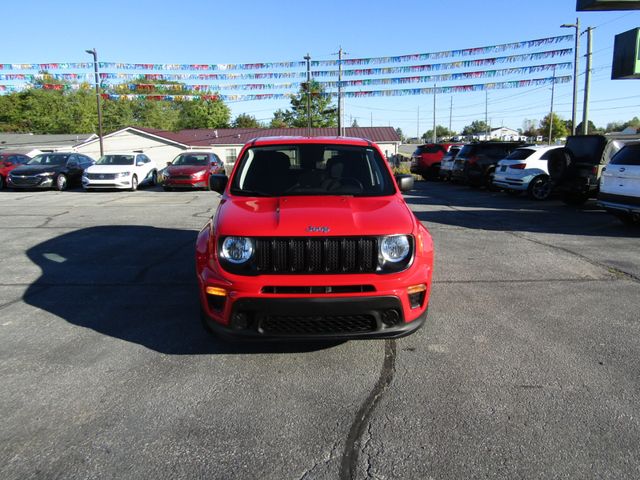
(525, 170)
(122, 170)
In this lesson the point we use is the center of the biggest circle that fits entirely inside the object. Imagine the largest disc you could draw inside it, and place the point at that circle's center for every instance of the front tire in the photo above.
(61, 182)
(540, 188)
(134, 183)
(1, 182)
(154, 178)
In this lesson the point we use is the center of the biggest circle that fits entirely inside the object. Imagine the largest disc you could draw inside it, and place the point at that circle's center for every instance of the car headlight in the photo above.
(122, 174)
(395, 248)
(237, 250)
(198, 174)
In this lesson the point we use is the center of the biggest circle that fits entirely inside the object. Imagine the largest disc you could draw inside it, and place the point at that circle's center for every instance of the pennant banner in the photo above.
(353, 83)
(318, 73)
(417, 57)
(360, 94)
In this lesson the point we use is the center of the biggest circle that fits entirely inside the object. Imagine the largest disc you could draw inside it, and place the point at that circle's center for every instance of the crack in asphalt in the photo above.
(349, 462)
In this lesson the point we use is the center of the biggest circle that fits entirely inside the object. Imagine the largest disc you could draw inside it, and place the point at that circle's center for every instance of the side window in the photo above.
(22, 159)
(73, 158)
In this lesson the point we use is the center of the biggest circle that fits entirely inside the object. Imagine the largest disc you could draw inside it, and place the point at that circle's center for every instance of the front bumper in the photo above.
(124, 182)
(27, 182)
(185, 183)
(314, 318)
(619, 203)
(251, 307)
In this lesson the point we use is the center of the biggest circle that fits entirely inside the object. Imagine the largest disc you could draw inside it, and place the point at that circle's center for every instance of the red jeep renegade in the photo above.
(312, 238)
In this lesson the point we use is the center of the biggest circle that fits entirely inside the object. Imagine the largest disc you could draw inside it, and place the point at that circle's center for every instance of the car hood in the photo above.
(109, 168)
(186, 169)
(318, 215)
(35, 169)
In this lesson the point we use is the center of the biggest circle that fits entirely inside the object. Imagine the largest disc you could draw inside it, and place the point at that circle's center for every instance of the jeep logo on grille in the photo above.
(314, 229)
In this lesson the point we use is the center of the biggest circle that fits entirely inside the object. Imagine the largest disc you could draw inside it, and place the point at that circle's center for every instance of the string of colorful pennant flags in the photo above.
(16, 77)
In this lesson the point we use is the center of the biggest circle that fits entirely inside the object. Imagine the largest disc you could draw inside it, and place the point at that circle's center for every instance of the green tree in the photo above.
(323, 113)
(203, 113)
(245, 121)
(441, 132)
(400, 134)
(476, 127)
(558, 129)
(156, 114)
(117, 114)
(354, 124)
(279, 119)
(11, 118)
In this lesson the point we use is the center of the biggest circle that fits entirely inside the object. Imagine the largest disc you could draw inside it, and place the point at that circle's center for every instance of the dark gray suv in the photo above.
(476, 163)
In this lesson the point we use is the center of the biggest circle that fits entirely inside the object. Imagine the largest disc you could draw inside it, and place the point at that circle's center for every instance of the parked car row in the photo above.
(117, 170)
(587, 166)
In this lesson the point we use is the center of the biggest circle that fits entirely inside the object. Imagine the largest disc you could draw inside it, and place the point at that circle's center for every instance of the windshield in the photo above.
(191, 159)
(116, 160)
(48, 159)
(312, 169)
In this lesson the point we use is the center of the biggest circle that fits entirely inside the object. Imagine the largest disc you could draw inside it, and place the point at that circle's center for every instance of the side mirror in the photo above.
(168, 164)
(405, 182)
(218, 182)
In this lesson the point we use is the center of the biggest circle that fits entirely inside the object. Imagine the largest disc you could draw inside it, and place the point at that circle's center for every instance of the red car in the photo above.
(312, 238)
(426, 159)
(9, 161)
(191, 170)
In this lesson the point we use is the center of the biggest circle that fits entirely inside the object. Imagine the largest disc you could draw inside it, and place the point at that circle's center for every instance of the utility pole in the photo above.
(576, 50)
(587, 84)
(371, 119)
(340, 108)
(486, 114)
(95, 69)
(434, 137)
(450, 113)
(308, 59)
(553, 88)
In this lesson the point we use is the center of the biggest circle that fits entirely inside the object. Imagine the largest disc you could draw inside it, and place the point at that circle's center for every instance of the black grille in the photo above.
(101, 176)
(317, 325)
(27, 181)
(180, 177)
(298, 289)
(317, 255)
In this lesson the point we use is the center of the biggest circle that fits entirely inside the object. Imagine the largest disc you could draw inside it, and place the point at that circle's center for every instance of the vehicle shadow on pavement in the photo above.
(481, 209)
(134, 283)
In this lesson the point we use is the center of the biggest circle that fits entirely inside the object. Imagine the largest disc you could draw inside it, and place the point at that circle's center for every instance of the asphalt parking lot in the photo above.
(526, 368)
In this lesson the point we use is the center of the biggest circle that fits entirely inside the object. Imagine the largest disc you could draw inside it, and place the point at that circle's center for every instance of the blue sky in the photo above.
(210, 32)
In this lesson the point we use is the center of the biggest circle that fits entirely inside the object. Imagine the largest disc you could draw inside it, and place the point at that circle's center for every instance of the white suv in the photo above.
(121, 170)
(620, 184)
(525, 170)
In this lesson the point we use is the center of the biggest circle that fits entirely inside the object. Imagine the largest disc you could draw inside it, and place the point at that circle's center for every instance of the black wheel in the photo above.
(540, 188)
(167, 189)
(134, 183)
(575, 199)
(154, 178)
(1, 182)
(513, 193)
(61, 182)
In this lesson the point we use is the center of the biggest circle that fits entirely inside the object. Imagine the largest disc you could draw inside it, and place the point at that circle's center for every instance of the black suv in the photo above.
(575, 169)
(475, 164)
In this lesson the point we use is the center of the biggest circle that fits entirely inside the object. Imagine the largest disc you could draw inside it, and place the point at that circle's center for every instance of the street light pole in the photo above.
(587, 84)
(95, 69)
(574, 110)
(308, 59)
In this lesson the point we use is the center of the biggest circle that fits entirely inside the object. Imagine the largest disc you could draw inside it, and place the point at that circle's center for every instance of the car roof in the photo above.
(309, 140)
(540, 147)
